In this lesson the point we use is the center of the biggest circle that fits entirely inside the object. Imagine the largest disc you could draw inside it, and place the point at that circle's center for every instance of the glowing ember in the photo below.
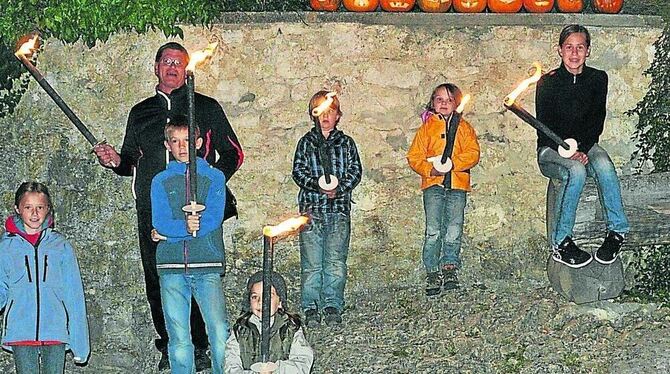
(198, 57)
(28, 47)
(290, 225)
(324, 105)
(464, 101)
(509, 100)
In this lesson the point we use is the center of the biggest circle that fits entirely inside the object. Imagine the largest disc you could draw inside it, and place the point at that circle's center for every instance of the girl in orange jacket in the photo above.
(444, 184)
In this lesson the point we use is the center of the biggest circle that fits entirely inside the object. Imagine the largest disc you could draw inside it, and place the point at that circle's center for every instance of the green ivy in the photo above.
(653, 127)
(651, 265)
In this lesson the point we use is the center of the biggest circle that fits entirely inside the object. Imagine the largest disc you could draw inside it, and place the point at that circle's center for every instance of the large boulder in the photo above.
(592, 282)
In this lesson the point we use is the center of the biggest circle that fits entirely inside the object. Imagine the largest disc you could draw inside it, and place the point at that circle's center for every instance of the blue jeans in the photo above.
(27, 359)
(445, 214)
(176, 293)
(324, 247)
(572, 177)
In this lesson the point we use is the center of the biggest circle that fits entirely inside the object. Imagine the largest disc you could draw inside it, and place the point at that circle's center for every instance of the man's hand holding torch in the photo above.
(107, 155)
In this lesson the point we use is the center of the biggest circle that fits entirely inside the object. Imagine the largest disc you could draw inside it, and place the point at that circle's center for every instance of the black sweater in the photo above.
(143, 146)
(573, 106)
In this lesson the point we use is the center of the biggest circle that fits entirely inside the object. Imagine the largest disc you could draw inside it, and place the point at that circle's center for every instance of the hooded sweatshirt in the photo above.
(41, 290)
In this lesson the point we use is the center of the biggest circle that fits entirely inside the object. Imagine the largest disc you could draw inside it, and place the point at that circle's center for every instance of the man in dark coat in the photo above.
(143, 155)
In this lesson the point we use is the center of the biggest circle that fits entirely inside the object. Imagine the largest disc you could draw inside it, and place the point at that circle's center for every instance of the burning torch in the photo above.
(327, 181)
(567, 147)
(197, 58)
(23, 54)
(443, 163)
(272, 234)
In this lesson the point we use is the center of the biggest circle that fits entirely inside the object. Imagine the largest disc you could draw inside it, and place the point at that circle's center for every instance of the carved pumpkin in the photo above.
(607, 6)
(469, 6)
(361, 5)
(505, 6)
(397, 5)
(325, 5)
(434, 6)
(570, 6)
(538, 6)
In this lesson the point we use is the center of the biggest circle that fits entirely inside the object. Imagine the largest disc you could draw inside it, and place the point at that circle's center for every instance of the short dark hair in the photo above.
(170, 45)
(178, 121)
(32, 186)
(574, 29)
(452, 89)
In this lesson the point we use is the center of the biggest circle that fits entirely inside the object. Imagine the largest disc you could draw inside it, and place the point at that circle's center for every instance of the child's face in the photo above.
(328, 119)
(178, 144)
(256, 300)
(443, 102)
(33, 210)
(574, 52)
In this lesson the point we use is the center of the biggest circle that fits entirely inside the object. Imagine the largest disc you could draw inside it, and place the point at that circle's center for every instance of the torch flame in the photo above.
(198, 57)
(464, 101)
(27, 48)
(290, 225)
(324, 105)
(509, 100)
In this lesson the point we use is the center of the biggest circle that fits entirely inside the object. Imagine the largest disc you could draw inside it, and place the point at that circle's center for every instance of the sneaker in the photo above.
(312, 318)
(433, 284)
(609, 250)
(568, 254)
(332, 316)
(449, 279)
(164, 363)
(202, 361)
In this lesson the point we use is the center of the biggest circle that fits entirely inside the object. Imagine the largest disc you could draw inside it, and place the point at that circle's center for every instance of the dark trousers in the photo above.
(148, 252)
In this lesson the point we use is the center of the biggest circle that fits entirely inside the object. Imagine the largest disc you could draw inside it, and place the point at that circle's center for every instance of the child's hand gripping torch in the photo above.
(443, 163)
(566, 147)
(272, 234)
(327, 181)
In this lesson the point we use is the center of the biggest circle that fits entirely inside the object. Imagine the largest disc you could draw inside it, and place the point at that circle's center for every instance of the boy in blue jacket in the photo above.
(189, 266)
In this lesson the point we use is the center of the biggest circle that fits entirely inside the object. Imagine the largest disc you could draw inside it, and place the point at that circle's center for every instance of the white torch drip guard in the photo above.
(567, 153)
(193, 208)
(439, 166)
(264, 367)
(328, 186)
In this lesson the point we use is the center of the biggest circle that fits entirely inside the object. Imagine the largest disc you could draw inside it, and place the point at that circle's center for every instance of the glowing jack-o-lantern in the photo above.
(505, 6)
(397, 5)
(325, 5)
(570, 6)
(607, 6)
(538, 6)
(469, 6)
(434, 6)
(361, 5)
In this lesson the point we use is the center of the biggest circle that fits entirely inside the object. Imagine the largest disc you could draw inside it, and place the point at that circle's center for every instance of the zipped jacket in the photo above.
(430, 140)
(143, 154)
(41, 291)
(182, 252)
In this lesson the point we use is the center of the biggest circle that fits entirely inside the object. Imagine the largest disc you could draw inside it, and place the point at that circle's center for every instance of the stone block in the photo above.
(592, 282)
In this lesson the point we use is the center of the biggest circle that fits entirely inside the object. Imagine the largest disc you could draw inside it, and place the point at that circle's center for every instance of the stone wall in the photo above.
(266, 69)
